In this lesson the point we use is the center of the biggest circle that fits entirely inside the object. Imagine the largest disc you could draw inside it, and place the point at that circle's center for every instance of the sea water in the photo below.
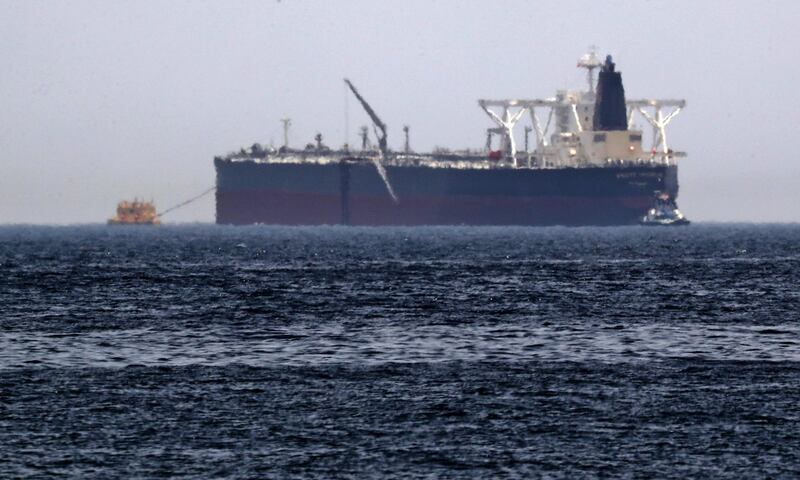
(332, 352)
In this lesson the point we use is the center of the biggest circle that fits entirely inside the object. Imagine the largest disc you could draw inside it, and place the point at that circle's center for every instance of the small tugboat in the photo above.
(137, 212)
(664, 213)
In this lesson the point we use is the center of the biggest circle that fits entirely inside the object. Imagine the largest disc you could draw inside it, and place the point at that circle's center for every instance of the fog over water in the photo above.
(106, 100)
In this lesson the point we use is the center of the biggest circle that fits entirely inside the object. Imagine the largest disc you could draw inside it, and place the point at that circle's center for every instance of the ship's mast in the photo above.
(363, 132)
(287, 122)
(590, 61)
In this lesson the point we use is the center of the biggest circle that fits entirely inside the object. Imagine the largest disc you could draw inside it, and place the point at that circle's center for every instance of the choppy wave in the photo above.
(204, 351)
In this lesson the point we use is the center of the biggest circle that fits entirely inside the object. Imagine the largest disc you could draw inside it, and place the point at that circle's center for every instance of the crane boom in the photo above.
(384, 151)
(374, 116)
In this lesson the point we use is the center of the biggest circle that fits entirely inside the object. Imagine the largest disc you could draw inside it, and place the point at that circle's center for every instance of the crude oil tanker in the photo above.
(587, 167)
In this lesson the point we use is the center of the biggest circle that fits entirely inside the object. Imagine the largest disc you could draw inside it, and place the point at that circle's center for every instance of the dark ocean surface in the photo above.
(333, 352)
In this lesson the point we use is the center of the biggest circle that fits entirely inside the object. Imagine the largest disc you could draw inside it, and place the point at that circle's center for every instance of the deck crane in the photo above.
(377, 124)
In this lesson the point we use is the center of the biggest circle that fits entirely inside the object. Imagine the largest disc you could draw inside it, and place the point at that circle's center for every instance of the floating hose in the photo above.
(187, 202)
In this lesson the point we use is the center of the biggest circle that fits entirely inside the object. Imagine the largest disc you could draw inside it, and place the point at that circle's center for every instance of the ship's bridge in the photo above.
(566, 137)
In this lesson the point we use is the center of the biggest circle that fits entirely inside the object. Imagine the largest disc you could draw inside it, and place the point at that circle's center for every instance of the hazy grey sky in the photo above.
(104, 100)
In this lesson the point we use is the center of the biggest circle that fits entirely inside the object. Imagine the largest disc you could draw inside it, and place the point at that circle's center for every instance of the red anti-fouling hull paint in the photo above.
(243, 208)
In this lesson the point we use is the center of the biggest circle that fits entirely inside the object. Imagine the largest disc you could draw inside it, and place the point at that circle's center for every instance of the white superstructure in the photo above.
(562, 126)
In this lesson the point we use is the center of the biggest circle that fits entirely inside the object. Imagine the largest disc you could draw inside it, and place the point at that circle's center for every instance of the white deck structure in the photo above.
(571, 140)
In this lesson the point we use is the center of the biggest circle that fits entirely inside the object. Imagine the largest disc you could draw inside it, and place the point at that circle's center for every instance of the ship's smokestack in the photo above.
(609, 107)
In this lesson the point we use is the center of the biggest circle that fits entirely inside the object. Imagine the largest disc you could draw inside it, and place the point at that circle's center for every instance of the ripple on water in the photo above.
(204, 351)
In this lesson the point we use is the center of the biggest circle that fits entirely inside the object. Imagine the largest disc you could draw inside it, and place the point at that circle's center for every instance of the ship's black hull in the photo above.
(251, 192)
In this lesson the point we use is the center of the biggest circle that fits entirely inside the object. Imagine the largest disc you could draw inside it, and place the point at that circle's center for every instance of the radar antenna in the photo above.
(377, 125)
(590, 61)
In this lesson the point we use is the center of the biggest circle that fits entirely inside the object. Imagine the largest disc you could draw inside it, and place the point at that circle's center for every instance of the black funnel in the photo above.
(609, 108)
